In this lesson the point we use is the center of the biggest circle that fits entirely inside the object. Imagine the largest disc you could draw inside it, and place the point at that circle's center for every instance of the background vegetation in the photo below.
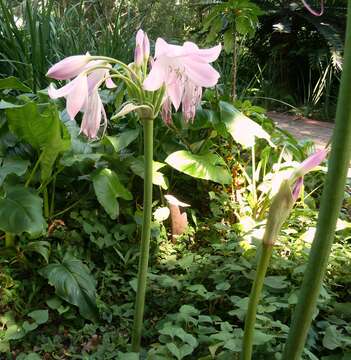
(67, 287)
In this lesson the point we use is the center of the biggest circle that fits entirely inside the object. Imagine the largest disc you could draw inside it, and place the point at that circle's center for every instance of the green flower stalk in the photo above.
(329, 211)
(279, 211)
(145, 236)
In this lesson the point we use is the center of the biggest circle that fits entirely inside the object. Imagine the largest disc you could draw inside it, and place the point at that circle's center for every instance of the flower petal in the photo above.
(175, 92)
(156, 77)
(69, 67)
(95, 77)
(166, 111)
(77, 96)
(146, 46)
(63, 91)
(109, 83)
(205, 55)
(92, 116)
(169, 50)
(312, 161)
(297, 188)
(201, 74)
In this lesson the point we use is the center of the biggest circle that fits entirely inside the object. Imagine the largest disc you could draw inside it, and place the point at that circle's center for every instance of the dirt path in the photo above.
(304, 129)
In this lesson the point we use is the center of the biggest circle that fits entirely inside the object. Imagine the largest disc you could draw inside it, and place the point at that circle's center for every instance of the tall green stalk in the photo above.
(256, 290)
(331, 202)
(278, 213)
(145, 236)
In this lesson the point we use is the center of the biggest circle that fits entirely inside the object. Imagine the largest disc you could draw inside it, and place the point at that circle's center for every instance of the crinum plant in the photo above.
(174, 76)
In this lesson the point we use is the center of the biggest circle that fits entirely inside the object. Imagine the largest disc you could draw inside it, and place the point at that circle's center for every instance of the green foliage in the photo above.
(74, 283)
(13, 83)
(71, 291)
(243, 130)
(42, 129)
(21, 211)
(207, 167)
(107, 189)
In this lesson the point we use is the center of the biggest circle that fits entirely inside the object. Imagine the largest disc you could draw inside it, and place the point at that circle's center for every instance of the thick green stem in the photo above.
(331, 202)
(145, 236)
(33, 170)
(256, 290)
(9, 240)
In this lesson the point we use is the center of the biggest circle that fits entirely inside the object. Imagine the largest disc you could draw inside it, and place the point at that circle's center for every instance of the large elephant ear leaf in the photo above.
(21, 211)
(207, 166)
(73, 283)
(242, 129)
(41, 127)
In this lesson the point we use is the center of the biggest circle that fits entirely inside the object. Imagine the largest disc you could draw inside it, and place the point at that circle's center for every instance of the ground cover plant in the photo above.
(73, 277)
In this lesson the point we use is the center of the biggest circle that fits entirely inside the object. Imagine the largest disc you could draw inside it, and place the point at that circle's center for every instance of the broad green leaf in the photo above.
(42, 129)
(73, 283)
(12, 166)
(261, 338)
(39, 316)
(207, 166)
(27, 326)
(54, 303)
(107, 189)
(180, 352)
(13, 83)
(21, 211)
(331, 338)
(41, 247)
(243, 130)
(122, 140)
(137, 166)
(276, 282)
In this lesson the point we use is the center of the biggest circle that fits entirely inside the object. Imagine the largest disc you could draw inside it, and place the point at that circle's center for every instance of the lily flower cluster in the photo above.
(176, 77)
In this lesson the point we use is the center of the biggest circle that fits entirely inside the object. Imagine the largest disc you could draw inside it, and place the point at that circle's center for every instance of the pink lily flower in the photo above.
(183, 70)
(306, 166)
(69, 67)
(142, 48)
(82, 92)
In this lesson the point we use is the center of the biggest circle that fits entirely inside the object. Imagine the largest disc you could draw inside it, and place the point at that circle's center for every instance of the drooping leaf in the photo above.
(12, 166)
(39, 316)
(243, 130)
(107, 189)
(7, 105)
(137, 166)
(122, 140)
(73, 283)
(207, 166)
(40, 247)
(21, 211)
(13, 83)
